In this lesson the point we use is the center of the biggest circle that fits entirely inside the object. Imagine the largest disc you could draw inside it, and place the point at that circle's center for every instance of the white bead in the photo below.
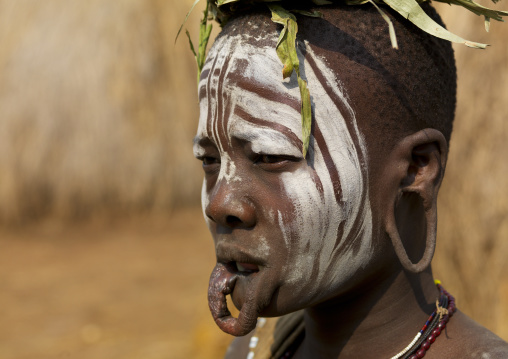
(404, 351)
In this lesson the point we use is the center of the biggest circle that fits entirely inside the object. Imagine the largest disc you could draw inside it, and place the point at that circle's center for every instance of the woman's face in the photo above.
(291, 231)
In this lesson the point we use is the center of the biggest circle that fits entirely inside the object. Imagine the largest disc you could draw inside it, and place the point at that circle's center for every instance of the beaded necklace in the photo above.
(445, 308)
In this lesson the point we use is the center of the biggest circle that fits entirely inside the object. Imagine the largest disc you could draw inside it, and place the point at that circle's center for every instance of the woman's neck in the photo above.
(378, 321)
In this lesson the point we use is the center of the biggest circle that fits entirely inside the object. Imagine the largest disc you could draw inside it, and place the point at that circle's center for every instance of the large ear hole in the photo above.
(420, 155)
(412, 224)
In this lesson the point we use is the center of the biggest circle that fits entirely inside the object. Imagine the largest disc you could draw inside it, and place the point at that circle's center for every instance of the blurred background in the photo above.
(103, 250)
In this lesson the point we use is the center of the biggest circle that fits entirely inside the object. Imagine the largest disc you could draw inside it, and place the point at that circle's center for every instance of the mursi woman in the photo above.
(338, 238)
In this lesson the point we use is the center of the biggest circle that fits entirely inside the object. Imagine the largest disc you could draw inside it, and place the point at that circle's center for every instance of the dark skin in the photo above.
(378, 311)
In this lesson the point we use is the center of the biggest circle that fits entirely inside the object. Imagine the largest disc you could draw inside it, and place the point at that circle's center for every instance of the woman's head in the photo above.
(293, 232)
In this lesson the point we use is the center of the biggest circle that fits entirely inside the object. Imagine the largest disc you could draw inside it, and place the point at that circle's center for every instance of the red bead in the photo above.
(426, 345)
(420, 353)
(432, 338)
(413, 356)
(436, 332)
(446, 318)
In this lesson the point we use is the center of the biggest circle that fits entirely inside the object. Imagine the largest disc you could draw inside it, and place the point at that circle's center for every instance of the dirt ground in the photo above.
(130, 289)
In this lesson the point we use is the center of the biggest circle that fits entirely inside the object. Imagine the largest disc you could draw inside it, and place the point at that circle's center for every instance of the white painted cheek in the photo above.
(310, 226)
(270, 214)
(205, 200)
(313, 233)
(262, 248)
(294, 270)
(285, 229)
(345, 157)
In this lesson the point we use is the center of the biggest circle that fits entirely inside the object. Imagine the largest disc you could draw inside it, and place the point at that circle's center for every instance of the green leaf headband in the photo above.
(286, 45)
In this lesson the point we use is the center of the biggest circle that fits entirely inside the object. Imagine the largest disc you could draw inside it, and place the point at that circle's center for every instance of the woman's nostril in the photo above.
(233, 221)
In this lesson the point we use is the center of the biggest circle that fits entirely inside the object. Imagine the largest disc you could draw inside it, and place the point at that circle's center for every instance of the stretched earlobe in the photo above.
(430, 242)
(411, 218)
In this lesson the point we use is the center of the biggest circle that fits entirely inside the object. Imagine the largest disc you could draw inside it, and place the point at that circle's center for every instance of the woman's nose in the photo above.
(229, 206)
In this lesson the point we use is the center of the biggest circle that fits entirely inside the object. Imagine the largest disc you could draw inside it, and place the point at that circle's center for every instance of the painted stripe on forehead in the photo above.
(209, 127)
(286, 131)
(267, 109)
(215, 114)
(267, 93)
(341, 106)
(201, 86)
(220, 115)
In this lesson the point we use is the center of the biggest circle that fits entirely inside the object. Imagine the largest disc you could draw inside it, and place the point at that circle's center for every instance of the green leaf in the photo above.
(487, 23)
(412, 11)
(391, 29)
(205, 30)
(186, 17)
(308, 13)
(286, 50)
(356, 2)
(191, 45)
(286, 46)
(223, 2)
(306, 113)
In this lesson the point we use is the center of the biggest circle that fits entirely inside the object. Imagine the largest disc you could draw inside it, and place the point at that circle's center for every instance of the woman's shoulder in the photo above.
(272, 338)
(462, 338)
(239, 347)
(465, 338)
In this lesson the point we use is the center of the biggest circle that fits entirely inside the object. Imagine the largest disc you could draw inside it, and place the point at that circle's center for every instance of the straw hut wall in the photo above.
(98, 109)
(473, 204)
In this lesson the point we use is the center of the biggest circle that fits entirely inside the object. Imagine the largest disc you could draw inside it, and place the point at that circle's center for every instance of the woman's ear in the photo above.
(416, 166)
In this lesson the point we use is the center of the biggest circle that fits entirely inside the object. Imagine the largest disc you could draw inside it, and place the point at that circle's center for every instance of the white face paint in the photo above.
(313, 222)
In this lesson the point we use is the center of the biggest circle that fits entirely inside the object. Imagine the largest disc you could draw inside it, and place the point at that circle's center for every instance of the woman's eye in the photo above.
(271, 159)
(211, 164)
(207, 161)
(275, 162)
